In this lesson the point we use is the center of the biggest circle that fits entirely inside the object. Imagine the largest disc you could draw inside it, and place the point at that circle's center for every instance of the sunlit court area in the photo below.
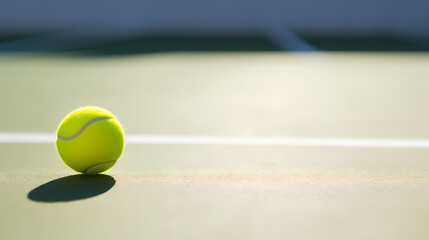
(239, 119)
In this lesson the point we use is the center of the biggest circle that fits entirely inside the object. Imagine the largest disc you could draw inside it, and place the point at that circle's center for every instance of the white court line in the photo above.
(22, 137)
(26, 137)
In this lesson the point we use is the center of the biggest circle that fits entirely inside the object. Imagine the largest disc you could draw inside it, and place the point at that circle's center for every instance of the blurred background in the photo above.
(334, 91)
(108, 27)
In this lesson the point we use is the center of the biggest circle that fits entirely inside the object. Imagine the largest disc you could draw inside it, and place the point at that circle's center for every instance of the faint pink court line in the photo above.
(28, 137)
(274, 179)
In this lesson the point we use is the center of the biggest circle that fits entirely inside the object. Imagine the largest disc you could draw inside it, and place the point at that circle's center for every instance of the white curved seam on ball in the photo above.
(95, 165)
(83, 128)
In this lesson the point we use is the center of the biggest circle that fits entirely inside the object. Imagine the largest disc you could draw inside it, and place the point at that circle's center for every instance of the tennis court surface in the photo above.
(221, 145)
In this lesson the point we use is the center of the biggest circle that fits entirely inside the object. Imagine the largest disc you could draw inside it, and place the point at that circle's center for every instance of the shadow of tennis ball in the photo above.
(72, 188)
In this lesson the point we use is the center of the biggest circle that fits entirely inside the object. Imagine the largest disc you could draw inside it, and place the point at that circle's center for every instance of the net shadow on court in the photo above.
(106, 46)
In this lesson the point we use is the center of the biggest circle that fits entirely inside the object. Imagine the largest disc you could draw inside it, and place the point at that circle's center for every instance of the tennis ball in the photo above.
(90, 140)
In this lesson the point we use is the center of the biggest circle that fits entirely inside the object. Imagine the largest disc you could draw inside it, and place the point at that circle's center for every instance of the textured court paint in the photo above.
(275, 179)
(22, 137)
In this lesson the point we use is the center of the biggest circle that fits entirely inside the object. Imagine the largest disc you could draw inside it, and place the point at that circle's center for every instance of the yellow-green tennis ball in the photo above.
(90, 140)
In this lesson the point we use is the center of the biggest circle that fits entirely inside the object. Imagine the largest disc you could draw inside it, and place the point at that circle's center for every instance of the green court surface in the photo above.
(229, 182)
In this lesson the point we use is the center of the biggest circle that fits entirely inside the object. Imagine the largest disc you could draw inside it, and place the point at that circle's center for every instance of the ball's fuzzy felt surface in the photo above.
(90, 140)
